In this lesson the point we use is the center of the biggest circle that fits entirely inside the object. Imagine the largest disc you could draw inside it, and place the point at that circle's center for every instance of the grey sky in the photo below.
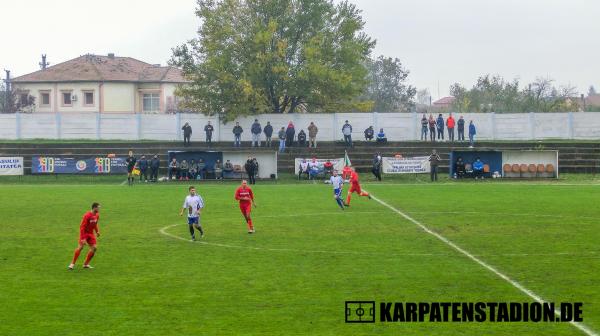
(438, 40)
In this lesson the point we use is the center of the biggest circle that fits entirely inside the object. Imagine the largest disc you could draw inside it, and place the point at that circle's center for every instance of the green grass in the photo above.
(307, 258)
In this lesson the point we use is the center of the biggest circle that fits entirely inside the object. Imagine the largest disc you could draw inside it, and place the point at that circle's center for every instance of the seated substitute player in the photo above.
(355, 187)
(245, 196)
(338, 183)
(89, 225)
(194, 205)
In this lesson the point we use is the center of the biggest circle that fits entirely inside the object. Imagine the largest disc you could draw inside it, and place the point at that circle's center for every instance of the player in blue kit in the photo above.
(193, 204)
(338, 183)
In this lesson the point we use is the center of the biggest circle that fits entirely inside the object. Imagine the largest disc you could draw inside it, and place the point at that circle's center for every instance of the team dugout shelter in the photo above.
(267, 162)
(510, 163)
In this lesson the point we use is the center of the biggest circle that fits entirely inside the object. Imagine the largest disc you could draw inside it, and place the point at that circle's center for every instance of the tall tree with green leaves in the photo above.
(387, 87)
(274, 56)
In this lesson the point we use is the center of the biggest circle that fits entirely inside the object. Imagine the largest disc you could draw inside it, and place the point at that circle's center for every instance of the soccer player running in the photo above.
(355, 187)
(245, 196)
(338, 183)
(194, 204)
(89, 225)
(131, 161)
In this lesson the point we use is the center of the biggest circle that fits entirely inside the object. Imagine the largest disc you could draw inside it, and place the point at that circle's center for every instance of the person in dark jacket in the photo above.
(256, 130)
(347, 132)
(282, 139)
(472, 132)
(268, 130)
(377, 166)
(369, 133)
(290, 132)
(209, 129)
(237, 134)
(460, 124)
(440, 127)
(424, 127)
(250, 170)
(154, 165)
(187, 134)
(434, 162)
(143, 165)
(459, 168)
(301, 139)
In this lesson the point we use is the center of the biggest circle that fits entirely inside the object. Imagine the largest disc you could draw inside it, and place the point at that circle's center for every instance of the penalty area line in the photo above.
(583, 328)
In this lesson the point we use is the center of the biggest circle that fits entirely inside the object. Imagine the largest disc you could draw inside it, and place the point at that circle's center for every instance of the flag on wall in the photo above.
(347, 162)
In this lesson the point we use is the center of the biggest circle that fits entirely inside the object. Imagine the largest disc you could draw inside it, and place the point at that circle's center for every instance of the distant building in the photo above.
(444, 103)
(93, 83)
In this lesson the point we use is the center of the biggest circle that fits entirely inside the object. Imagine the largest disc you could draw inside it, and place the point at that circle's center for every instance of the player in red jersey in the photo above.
(89, 226)
(245, 196)
(355, 187)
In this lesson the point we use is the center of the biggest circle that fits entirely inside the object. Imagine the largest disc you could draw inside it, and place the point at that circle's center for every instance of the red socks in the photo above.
(76, 255)
(89, 257)
(250, 226)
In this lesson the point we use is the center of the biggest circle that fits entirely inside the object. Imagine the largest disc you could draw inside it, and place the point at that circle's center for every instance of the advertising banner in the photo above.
(60, 165)
(11, 166)
(338, 164)
(414, 165)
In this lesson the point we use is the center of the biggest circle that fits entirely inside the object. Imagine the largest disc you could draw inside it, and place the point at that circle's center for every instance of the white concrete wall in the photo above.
(397, 126)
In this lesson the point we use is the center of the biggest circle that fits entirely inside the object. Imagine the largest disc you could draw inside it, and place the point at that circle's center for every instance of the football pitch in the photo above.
(452, 242)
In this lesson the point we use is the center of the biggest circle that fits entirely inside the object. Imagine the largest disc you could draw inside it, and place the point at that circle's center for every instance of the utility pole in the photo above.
(43, 63)
(6, 92)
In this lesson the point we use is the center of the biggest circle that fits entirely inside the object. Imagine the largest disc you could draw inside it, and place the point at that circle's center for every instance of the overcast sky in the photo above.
(439, 41)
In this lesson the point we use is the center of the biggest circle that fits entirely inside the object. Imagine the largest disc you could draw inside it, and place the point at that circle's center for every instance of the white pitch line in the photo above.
(586, 330)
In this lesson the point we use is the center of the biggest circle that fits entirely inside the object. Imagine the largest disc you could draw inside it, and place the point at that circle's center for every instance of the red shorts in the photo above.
(89, 238)
(355, 188)
(246, 208)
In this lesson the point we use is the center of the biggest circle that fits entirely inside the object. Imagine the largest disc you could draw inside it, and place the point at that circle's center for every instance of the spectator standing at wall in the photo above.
(250, 170)
(347, 132)
(256, 130)
(209, 129)
(301, 139)
(369, 133)
(381, 138)
(187, 134)
(237, 135)
(173, 169)
(154, 165)
(432, 125)
(434, 162)
(290, 132)
(450, 123)
(377, 166)
(472, 132)
(268, 130)
(218, 169)
(143, 165)
(312, 135)
(461, 128)
(282, 139)
(440, 127)
(424, 126)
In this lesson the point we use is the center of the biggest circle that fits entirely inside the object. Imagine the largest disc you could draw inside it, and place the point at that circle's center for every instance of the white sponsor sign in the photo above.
(414, 165)
(338, 164)
(11, 166)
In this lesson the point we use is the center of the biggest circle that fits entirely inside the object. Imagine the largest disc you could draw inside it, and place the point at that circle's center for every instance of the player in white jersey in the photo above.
(194, 205)
(338, 183)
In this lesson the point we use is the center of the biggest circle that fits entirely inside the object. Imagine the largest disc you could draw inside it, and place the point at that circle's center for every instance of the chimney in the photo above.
(111, 55)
